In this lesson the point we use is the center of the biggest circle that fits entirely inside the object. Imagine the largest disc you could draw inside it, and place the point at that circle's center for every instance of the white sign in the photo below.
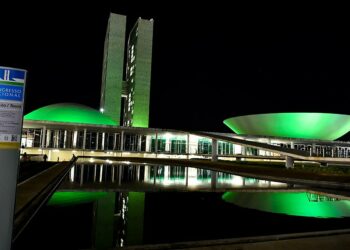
(12, 85)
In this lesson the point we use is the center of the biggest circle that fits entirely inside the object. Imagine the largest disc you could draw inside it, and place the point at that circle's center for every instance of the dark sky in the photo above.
(210, 62)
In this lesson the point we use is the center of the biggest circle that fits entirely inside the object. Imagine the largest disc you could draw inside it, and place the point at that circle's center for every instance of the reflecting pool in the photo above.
(104, 206)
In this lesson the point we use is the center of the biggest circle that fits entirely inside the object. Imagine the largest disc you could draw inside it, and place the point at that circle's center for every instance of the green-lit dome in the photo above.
(323, 126)
(296, 204)
(69, 112)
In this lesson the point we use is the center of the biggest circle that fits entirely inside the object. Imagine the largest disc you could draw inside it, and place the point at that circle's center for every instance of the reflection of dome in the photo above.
(69, 112)
(73, 198)
(297, 204)
(323, 126)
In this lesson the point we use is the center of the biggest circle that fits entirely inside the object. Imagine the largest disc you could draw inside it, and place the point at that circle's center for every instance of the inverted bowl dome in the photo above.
(323, 126)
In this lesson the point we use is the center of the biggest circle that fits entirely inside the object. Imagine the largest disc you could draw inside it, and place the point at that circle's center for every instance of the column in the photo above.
(243, 150)
(48, 138)
(56, 138)
(65, 139)
(75, 138)
(103, 141)
(139, 141)
(84, 139)
(122, 141)
(188, 146)
(115, 141)
(289, 162)
(148, 143)
(156, 144)
(43, 138)
(292, 145)
(167, 144)
(97, 139)
(214, 150)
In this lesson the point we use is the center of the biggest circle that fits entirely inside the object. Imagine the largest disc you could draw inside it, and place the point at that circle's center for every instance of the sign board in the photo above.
(12, 85)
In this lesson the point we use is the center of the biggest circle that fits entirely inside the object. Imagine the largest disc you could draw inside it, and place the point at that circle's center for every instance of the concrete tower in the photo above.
(138, 74)
(137, 85)
(113, 67)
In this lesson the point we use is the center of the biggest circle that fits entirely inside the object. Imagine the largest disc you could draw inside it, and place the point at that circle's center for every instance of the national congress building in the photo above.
(120, 127)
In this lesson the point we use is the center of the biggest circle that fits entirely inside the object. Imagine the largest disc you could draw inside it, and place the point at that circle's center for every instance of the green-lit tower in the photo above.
(138, 74)
(137, 85)
(113, 67)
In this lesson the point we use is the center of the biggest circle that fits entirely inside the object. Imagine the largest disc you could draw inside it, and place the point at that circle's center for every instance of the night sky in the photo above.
(210, 62)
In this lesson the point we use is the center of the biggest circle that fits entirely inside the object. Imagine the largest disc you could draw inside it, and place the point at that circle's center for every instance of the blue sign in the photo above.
(13, 75)
(10, 92)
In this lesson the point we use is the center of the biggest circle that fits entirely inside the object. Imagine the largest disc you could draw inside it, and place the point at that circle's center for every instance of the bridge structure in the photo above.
(59, 141)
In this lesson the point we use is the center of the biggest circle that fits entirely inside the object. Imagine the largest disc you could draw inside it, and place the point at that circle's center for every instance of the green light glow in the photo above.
(73, 198)
(322, 126)
(69, 112)
(296, 204)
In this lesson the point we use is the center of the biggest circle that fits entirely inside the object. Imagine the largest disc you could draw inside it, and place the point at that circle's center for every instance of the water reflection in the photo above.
(296, 204)
(118, 217)
(159, 177)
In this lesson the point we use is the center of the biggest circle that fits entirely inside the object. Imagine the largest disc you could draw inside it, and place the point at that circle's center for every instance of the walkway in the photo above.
(34, 192)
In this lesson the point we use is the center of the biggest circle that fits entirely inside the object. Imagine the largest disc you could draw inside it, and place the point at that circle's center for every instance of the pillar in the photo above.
(139, 142)
(148, 143)
(84, 139)
(43, 138)
(115, 141)
(289, 162)
(65, 139)
(156, 144)
(167, 144)
(97, 139)
(56, 138)
(103, 141)
(188, 146)
(243, 150)
(122, 141)
(48, 138)
(75, 138)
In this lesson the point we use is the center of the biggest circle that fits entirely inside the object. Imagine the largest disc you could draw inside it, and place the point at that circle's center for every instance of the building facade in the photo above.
(126, 101)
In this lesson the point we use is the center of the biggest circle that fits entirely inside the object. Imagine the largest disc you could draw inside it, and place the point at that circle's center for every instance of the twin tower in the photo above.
(125, 90)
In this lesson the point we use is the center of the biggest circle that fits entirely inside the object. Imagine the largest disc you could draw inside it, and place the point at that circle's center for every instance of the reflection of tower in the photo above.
(137, 86)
